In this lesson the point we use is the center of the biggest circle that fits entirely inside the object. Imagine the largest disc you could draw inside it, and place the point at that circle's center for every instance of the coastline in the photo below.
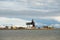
(31, 29)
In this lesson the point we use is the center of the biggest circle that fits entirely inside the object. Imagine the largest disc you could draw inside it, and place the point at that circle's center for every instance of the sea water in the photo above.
(29, 34)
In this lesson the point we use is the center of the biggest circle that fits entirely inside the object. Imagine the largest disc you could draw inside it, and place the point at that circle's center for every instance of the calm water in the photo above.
(29, 34)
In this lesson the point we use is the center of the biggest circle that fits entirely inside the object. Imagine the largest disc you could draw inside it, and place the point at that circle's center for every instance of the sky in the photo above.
(44, 12)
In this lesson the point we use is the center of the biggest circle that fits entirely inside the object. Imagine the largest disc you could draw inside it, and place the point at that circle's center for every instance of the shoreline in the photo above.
(31, 29)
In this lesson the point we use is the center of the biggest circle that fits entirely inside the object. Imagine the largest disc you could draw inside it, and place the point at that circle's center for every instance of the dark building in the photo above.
(31, 23)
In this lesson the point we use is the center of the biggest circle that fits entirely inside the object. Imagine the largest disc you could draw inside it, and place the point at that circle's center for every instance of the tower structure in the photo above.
(33, 23)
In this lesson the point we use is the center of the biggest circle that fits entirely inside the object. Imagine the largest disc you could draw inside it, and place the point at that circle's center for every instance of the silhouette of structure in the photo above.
(31, 23)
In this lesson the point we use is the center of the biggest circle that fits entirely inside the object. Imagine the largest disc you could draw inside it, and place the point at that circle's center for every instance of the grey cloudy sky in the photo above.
(30, 9)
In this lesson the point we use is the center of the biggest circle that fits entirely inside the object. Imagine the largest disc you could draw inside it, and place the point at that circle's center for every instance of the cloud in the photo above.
(57, 25)
(12, 5)
(7, 4)
(20, 22)
(30, 9)
(36, 5)
(28, 14)
(12, 21)
(56, 18)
